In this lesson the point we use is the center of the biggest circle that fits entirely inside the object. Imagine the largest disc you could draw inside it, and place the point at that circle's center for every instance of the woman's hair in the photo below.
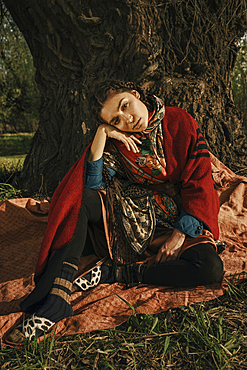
(105, 89)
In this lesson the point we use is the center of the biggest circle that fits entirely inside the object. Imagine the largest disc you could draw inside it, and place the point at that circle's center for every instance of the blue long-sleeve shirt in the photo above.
(94, 180)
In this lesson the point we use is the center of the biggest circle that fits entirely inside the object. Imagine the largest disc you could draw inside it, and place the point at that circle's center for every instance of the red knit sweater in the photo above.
(188, 162)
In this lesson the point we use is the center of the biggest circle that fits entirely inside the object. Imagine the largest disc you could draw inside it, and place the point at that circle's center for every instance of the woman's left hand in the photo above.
(171, 248)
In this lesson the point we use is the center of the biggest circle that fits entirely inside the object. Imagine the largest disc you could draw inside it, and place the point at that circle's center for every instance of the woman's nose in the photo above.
(129, 118)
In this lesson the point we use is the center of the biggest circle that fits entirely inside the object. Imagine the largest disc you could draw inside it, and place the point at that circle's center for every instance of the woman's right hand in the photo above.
(171, 248)
(104, 131)
(129, 140)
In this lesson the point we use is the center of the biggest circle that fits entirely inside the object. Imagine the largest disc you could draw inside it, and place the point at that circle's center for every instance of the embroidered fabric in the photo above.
(138, 209)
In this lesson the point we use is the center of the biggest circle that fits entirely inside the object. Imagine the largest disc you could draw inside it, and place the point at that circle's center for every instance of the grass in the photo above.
(8, 169)
(7, 191)
(12, 161)
(15, 144)
(209, 335)
(13, 150)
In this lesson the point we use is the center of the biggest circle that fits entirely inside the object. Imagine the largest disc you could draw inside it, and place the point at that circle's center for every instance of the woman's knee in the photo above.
(90, 196)
(92, 207)
(91, 200)
(209, 266)
(217, 268)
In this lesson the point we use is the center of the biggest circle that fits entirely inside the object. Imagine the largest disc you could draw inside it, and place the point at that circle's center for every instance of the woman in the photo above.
(147, 193)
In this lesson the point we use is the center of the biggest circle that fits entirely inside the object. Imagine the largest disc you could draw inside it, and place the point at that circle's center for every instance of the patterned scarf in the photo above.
(148, 166)
(133, 210)
(154, 129)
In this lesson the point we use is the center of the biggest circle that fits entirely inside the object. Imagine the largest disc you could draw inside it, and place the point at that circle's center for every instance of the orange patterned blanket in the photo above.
(23, 222)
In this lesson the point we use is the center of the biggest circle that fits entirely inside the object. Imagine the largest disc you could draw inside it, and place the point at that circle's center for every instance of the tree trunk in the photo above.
(182, 50)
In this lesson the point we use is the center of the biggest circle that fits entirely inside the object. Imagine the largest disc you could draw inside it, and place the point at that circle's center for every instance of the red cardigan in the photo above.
(188, 162)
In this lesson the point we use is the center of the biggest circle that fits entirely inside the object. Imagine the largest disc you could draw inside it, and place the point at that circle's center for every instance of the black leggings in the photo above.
(198, 265)
(91, 212)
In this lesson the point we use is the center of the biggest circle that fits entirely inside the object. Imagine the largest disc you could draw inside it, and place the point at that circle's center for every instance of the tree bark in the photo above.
(181, 50)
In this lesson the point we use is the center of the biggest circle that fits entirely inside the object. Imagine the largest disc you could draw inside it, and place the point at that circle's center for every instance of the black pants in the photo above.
(198, 265)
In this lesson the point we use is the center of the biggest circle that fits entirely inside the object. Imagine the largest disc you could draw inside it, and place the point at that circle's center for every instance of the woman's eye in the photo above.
(124, 106)
(116, 121)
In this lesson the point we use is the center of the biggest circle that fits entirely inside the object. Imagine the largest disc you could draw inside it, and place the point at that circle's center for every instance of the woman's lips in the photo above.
(138, 124)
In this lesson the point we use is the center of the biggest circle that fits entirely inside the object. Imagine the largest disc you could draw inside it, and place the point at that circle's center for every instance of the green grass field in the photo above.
(15, 144)
(205, 336)
(13, 150)
(9, 166)
(12, 160)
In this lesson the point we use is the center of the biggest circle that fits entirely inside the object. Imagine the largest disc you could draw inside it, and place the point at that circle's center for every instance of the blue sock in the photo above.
(57, 305)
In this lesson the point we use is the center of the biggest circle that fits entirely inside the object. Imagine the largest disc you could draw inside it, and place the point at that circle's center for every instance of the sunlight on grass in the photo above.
(13, 151)
(7, 191)
(12, 160)
(9, 167)
(15, 144)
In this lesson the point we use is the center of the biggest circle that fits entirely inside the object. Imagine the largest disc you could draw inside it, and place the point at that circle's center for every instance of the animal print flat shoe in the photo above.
(33, 326)
(99, 274)
(36, 325)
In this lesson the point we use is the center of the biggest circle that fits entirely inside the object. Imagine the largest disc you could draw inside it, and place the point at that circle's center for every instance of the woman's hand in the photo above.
(104, 131)
(129, 140)
(171, 248)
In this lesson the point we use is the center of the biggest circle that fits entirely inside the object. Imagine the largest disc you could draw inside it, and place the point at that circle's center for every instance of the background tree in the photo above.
(19, 96)
(182, 50)
(239, 80)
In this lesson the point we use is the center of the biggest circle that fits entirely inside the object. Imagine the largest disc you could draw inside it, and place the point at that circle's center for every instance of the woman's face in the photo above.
(126, 112)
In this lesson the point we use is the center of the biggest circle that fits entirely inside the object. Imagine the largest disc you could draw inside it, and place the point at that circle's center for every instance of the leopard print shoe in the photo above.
(93, 277)
(34, 323)
(32, 326)
(85, 284)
